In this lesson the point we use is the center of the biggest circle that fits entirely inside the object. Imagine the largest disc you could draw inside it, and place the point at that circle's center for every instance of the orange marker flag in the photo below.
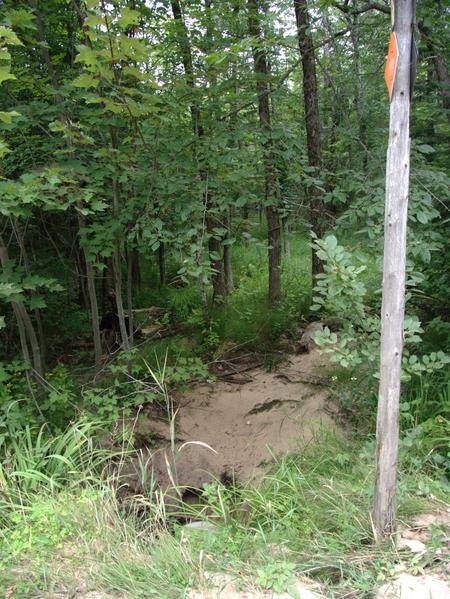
(391, 64)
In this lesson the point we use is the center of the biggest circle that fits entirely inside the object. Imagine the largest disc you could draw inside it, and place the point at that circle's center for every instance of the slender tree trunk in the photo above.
(37, 312)
(270, 177)
(359, 88)
(312, 121)
(34, 4)
(107, 283)
(22, 334)
(286, 238)
(227, 261)
(117, 258)
(83, 300)
(24, 323)
(34, 343)
(393, 302)
(81, 222)
(162, 264)
(92, 291)
(130, 296)
(214, 244)
(136, 268)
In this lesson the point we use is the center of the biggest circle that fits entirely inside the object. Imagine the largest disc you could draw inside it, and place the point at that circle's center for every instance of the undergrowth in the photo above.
(66, 524)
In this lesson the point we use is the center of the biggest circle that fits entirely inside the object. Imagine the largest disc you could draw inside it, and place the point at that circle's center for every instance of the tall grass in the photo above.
(34, 460)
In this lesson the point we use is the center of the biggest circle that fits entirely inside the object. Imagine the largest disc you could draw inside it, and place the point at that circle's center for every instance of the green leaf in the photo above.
(425, 149)
(5, 74)
(86, 55)
(331, 242)
(21, 19)
(3, 149)
(9, 36)
(128, 17)
(86, 81)
(422, 217)
(37, 302)
(6, 117)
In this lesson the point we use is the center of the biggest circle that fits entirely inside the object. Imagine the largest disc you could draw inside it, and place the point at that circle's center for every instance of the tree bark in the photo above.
(359, 89)
(270, 176)
(92, 291)
(312, 122)
(393, 302)
(24, 324)
(227, 259)
(286, 238)
(37, 312)
(214, 244)
(81, 222)
(130, 296)
(117, 258)
(162, 264)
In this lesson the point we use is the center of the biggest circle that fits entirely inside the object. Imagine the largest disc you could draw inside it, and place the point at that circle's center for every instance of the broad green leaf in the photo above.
(128, 17)
(85, 80)
(422, 217)
(86, 55)
(5, 74)
(425, 149)
(331, 242)
(9, 36)
(6, 117)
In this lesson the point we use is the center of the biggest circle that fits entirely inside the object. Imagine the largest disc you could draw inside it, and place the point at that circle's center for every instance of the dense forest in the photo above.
(192, 195)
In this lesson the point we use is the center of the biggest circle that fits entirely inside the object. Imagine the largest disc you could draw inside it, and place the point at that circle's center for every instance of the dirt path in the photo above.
(226, 429)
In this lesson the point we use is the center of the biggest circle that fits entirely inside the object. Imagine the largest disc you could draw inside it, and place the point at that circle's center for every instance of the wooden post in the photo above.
(393, 302)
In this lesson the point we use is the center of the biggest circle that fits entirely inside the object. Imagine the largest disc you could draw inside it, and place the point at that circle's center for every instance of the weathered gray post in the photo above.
(398, 78)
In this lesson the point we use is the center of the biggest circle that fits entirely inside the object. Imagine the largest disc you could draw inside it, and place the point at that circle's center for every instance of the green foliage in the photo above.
(340, 292)
(277, 577)
(339, 289)
(34, 460)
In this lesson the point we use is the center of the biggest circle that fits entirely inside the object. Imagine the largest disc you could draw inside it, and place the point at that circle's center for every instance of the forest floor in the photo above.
(256, 482)
(231, 429)
(284, 511)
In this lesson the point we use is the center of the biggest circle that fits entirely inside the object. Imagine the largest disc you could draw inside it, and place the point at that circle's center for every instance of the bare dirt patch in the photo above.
(230, 430)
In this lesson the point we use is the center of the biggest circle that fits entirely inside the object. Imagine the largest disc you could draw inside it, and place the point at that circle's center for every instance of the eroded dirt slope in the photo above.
(243, 423)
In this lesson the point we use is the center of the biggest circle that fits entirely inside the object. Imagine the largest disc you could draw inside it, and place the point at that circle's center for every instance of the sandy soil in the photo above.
(230, 429)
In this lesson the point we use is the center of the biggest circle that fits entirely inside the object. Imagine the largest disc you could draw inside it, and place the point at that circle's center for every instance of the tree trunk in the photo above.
(227, 262)
(92, 291)
(37, 312)
(24, 323)
(270, 177)
(136, 267)
(286, 238)
(117, 258)
(359, 89)
(214, 245)
(130, 296)
(83, 300)
(312, 121)
(162, 264)
(81, 222)
(393, 302)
